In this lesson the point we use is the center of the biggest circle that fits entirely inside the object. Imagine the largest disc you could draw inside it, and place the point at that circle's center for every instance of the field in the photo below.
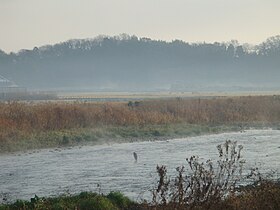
(127, 96)
(29, 125)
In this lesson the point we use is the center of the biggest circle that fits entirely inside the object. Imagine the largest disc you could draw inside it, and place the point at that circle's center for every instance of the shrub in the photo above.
(97, 203)
(205, 183)
(119, 199)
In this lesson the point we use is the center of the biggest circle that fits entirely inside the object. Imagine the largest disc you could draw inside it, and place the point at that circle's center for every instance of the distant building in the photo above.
(9, 89)
(4, 82)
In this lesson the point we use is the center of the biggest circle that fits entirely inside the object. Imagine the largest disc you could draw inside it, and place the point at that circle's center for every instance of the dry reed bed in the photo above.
(57, 116)
(23, 120)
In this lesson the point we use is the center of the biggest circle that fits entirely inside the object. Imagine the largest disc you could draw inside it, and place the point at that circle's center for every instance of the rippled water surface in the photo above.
(112, 167)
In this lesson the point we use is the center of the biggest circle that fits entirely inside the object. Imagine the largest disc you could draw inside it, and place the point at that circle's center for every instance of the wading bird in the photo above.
(135, 156)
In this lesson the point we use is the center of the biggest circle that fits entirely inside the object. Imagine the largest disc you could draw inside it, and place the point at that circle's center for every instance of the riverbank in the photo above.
(27, 126)
(118, 134)
(266, 195)
(85, 200)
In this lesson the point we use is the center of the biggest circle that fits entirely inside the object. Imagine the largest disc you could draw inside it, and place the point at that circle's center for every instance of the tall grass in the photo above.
(56, 116)
(22, 120)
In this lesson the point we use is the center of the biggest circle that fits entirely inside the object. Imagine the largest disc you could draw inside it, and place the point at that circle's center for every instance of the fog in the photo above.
(125, 62)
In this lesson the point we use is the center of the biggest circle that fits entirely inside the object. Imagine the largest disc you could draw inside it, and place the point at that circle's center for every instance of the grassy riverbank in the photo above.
(25, 126)
(266, 195)
(85, 200)
(114, 134)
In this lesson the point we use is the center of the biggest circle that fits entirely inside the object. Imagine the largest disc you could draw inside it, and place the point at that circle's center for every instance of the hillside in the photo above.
(130, 63)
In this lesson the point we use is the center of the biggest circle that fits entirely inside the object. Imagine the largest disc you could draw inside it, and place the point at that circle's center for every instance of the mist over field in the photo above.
(125, 62)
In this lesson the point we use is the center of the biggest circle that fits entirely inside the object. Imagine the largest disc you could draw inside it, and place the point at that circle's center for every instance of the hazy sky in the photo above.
(29, 23)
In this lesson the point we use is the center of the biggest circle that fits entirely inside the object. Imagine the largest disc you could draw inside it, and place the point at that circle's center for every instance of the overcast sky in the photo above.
(28, 23)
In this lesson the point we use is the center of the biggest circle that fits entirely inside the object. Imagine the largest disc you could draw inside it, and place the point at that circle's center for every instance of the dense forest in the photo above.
(131, 63)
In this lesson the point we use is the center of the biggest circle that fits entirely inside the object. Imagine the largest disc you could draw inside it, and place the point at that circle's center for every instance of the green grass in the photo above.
(83, 201)
(115, 134)
(259, 197)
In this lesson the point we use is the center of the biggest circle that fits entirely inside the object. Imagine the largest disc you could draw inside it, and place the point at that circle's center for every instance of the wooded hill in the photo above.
(130, 63)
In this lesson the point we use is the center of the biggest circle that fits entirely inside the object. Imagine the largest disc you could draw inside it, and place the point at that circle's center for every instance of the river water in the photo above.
(106, 168)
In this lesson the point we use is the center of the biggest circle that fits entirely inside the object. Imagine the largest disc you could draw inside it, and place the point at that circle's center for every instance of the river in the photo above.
(106, 168)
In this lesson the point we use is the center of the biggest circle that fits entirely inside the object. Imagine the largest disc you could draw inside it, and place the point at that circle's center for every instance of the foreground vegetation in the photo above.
(30, 126)
(266, 195)
(85, 200)
(209, 185)
(206, 185)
